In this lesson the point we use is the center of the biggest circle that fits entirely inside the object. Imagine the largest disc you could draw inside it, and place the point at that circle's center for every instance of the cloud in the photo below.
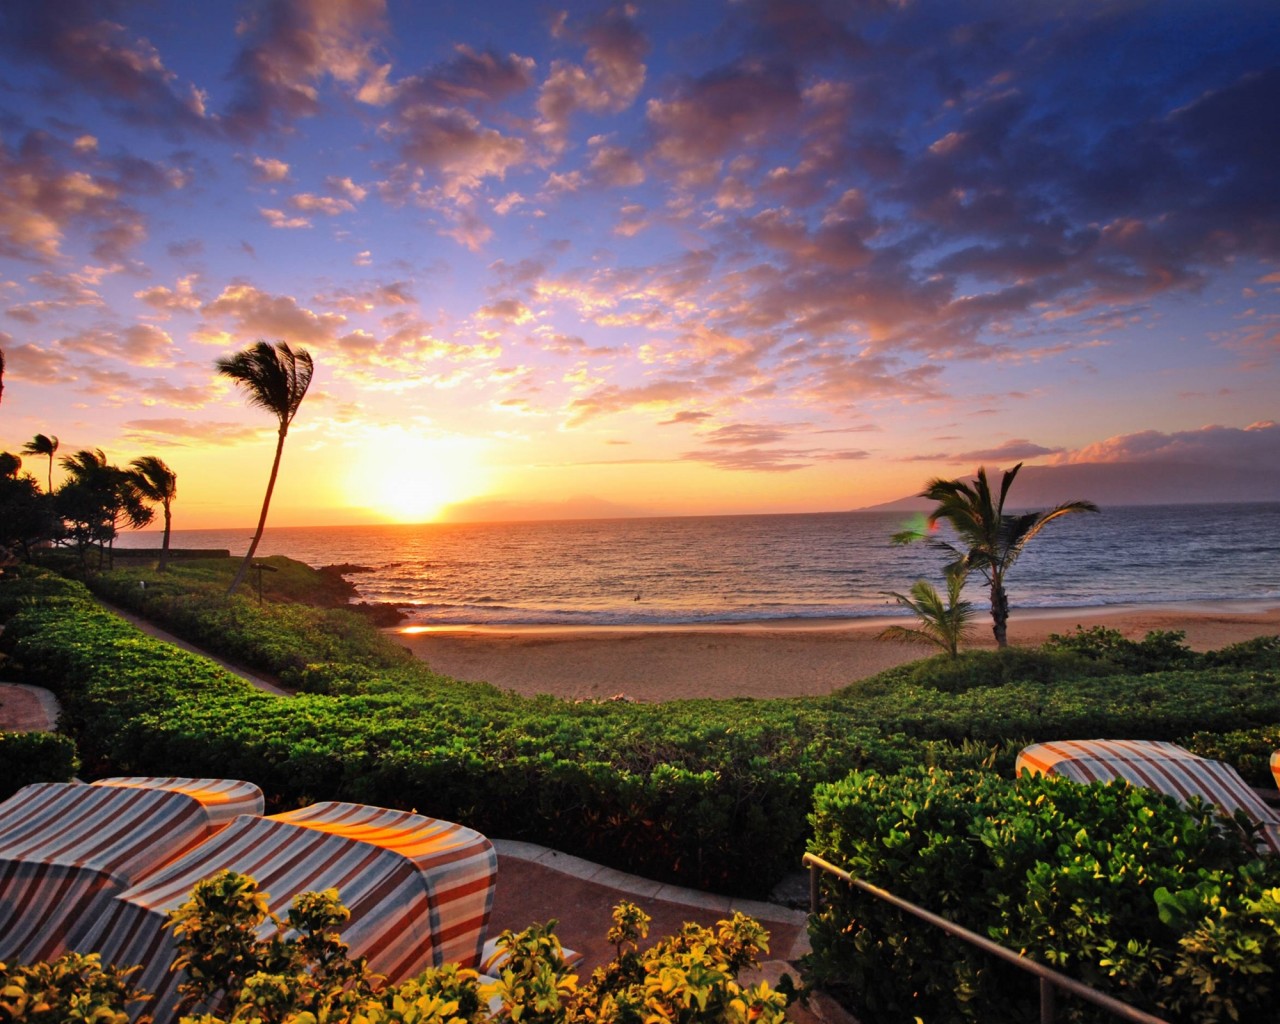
(139, 344)
(180, 433)
(734, 107)
(254, 313)
(290, 47)
(280, 219)
(614, 399)
(121, 388)
(1255, 447)
(511, 311)
(41, 199)
(769, 460)
(35, 365)
(468, 78)
(270, 169)
(611, 80)
(685, 416)
(81, 41)
(180, 299)
(330, 206)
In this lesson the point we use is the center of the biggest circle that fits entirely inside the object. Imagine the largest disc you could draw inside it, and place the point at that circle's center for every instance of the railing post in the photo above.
(1047, 994)
(814, 889)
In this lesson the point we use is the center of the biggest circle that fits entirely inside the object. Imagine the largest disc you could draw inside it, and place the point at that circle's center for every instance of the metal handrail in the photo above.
(1050, 980)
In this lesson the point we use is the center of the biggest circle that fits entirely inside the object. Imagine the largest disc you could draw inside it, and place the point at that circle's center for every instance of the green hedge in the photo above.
(1162, 906)
(27, 757)
(713, 794)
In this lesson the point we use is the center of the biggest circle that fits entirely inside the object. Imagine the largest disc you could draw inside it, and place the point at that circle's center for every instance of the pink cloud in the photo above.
(736, 107)
(1256, 446)
(290, 47)
(254, 313)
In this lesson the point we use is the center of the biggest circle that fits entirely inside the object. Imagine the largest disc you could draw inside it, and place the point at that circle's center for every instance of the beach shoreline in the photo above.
(770, 658)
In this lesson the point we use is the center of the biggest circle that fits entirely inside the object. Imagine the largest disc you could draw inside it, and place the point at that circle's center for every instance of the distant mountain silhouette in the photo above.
(1122, 483)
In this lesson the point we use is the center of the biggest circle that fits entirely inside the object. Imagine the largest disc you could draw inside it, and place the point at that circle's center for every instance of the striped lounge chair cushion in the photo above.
(419, 890)
(67, 848)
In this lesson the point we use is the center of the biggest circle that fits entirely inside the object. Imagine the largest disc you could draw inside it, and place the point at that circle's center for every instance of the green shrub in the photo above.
(1120, 887)
(711, 794)
(74, 989)
(1158, 651)
(973, 669)
(27, 757)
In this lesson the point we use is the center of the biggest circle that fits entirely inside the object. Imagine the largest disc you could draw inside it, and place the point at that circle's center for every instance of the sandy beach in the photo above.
(773, 659)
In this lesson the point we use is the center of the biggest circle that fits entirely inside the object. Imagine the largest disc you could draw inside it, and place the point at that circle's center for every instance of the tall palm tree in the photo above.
(1, 373)
(274, 378)
(157, 482)
(46, 446)
(989, 539)
(944, 625)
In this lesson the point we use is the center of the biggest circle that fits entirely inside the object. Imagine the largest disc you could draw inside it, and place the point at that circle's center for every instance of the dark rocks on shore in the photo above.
(341, 592)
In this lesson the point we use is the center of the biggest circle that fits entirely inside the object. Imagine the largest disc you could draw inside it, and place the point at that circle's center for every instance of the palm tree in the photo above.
(42, 445)
(274, 378)
(990, 540)
(98, 498)
(1, 373)
(157, 482)
(945, 625)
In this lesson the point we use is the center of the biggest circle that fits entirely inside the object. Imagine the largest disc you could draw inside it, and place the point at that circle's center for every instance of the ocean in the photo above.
(719, 569)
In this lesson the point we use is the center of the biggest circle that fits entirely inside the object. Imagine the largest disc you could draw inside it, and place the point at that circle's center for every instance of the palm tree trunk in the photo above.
(49, 487)
(999, 612)
(164, 547)
(262, 519)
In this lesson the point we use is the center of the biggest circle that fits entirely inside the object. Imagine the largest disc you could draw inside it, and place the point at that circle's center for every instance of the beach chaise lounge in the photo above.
(1164, 767)
(67, 848)
(419, 890)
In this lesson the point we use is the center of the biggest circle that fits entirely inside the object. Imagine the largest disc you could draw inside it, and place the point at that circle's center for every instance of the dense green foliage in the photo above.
(302, 645)
(242, 963)
(1120, 887)
(27, 757)
(712, 794)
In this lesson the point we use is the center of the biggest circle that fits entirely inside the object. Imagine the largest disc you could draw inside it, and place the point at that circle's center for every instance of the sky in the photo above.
(656, 258)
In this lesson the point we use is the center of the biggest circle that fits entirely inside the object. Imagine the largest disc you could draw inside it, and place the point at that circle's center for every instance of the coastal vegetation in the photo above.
(988, 539)
(721, 795)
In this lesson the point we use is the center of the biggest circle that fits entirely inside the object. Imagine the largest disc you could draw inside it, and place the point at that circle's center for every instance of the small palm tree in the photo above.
(98, 498)
(990, 540)
(158, 483)
(274, 378)
(945, 625)
(46, 446)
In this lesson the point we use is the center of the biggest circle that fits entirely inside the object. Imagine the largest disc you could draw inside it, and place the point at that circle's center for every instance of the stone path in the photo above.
(26, 708)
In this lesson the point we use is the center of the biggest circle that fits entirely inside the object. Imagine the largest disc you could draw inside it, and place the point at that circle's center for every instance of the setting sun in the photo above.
(405, 478)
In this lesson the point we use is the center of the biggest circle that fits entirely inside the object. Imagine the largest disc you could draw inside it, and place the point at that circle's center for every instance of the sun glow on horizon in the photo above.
(403, 477)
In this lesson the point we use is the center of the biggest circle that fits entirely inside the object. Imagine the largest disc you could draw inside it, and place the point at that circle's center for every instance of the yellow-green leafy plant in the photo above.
(74, 989)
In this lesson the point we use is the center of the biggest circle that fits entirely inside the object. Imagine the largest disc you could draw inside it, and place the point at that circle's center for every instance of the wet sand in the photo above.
(776, 659)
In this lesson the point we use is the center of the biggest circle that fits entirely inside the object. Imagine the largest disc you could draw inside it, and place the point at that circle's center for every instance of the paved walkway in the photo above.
(26, 708)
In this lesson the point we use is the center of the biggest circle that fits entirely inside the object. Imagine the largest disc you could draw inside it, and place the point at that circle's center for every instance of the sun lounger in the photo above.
(419, 890)
(67, 848)
(1164, 767)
